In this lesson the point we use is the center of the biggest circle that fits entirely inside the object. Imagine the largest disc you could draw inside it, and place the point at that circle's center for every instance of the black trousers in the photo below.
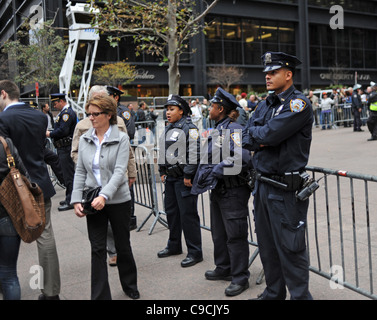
(119, 217)
(182, 215)
(68, 168)
(357, 120)
(229, 230)
(372, 123)
(281, 241)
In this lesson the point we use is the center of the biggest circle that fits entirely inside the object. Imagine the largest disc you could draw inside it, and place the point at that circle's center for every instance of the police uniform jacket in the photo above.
(128, 119)
(280, 133)
(65, 124)
(356, 101)
(209, 174)
(182, 143)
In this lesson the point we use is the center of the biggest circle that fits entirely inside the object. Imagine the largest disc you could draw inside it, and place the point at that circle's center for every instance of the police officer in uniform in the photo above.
(229, 196)
(123, 111)
(178, 162)
(280, 134)
(64, 127)
(356, 109)
(372, 120)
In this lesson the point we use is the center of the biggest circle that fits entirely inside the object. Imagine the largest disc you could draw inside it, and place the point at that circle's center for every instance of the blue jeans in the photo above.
(9, 248)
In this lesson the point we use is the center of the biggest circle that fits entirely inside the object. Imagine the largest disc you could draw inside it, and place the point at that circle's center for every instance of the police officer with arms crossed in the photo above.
(178, 162)
(280, 134)
(64, 127)
(230, 194)
(372, 120)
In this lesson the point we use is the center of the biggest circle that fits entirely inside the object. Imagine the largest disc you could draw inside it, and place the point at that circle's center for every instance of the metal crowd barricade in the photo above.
(342, 225)
(148, 194)
(341, 114)
(341, 228)
(145, 188)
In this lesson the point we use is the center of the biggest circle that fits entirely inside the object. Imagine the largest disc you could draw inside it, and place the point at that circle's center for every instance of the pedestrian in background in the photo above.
(326, 114)
(314, 101)
(102, 161)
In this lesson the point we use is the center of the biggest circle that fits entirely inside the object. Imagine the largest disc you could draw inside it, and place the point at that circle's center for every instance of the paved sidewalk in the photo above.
(165, 279)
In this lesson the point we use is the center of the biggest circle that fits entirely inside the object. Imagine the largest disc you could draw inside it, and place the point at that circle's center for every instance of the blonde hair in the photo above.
(106, 104)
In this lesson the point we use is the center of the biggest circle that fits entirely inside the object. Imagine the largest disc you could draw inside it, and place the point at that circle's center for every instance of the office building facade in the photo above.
(238, 33)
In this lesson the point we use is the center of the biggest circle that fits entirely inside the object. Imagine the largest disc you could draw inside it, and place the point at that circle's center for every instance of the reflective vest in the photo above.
(373, 106)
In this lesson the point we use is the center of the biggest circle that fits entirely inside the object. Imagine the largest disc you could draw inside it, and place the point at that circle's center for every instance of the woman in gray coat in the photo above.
(102, 161)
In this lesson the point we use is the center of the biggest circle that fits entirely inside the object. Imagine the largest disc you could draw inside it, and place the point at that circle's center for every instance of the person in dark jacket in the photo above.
(27, 129)
(178, 161)
(356, 109)
(372, 120)
(225, 173)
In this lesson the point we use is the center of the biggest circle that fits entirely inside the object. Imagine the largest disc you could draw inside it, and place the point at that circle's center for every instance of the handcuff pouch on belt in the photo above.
(175, 170)
(64, 142)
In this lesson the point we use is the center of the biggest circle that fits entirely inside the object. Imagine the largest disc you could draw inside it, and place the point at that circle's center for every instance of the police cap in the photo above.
(225, 98)
(276, 60)
(114, 91)
(373, 84)
(357, 86)
(57, 96)
(176, 100)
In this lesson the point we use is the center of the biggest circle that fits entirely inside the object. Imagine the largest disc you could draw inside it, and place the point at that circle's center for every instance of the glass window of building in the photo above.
(367, 6)
(347, 48)
(241, 41)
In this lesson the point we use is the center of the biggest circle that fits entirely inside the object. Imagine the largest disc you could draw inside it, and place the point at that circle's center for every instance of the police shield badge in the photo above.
(236, 137)
(297, 105)
(194, 133)
(126, 115)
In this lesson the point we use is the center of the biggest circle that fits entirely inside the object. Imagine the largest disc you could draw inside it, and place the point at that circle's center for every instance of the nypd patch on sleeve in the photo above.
(126, 115)
(297, 105)
(236, 137)
(194, 133)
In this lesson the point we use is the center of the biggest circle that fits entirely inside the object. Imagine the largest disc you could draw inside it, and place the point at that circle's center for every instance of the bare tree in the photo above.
(225, 76)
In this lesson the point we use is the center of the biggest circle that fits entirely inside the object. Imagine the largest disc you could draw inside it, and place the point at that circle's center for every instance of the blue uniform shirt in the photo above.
(214, 160)
(128, 118)
(182, 145)
(280, 133)
(65, 124)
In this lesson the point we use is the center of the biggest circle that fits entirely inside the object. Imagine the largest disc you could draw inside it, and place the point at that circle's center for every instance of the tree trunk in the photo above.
(173, 57)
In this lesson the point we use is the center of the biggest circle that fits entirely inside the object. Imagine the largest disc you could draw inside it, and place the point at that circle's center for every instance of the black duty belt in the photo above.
(230, 182)
(64, 142)
(291, 181)
(175, 170)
